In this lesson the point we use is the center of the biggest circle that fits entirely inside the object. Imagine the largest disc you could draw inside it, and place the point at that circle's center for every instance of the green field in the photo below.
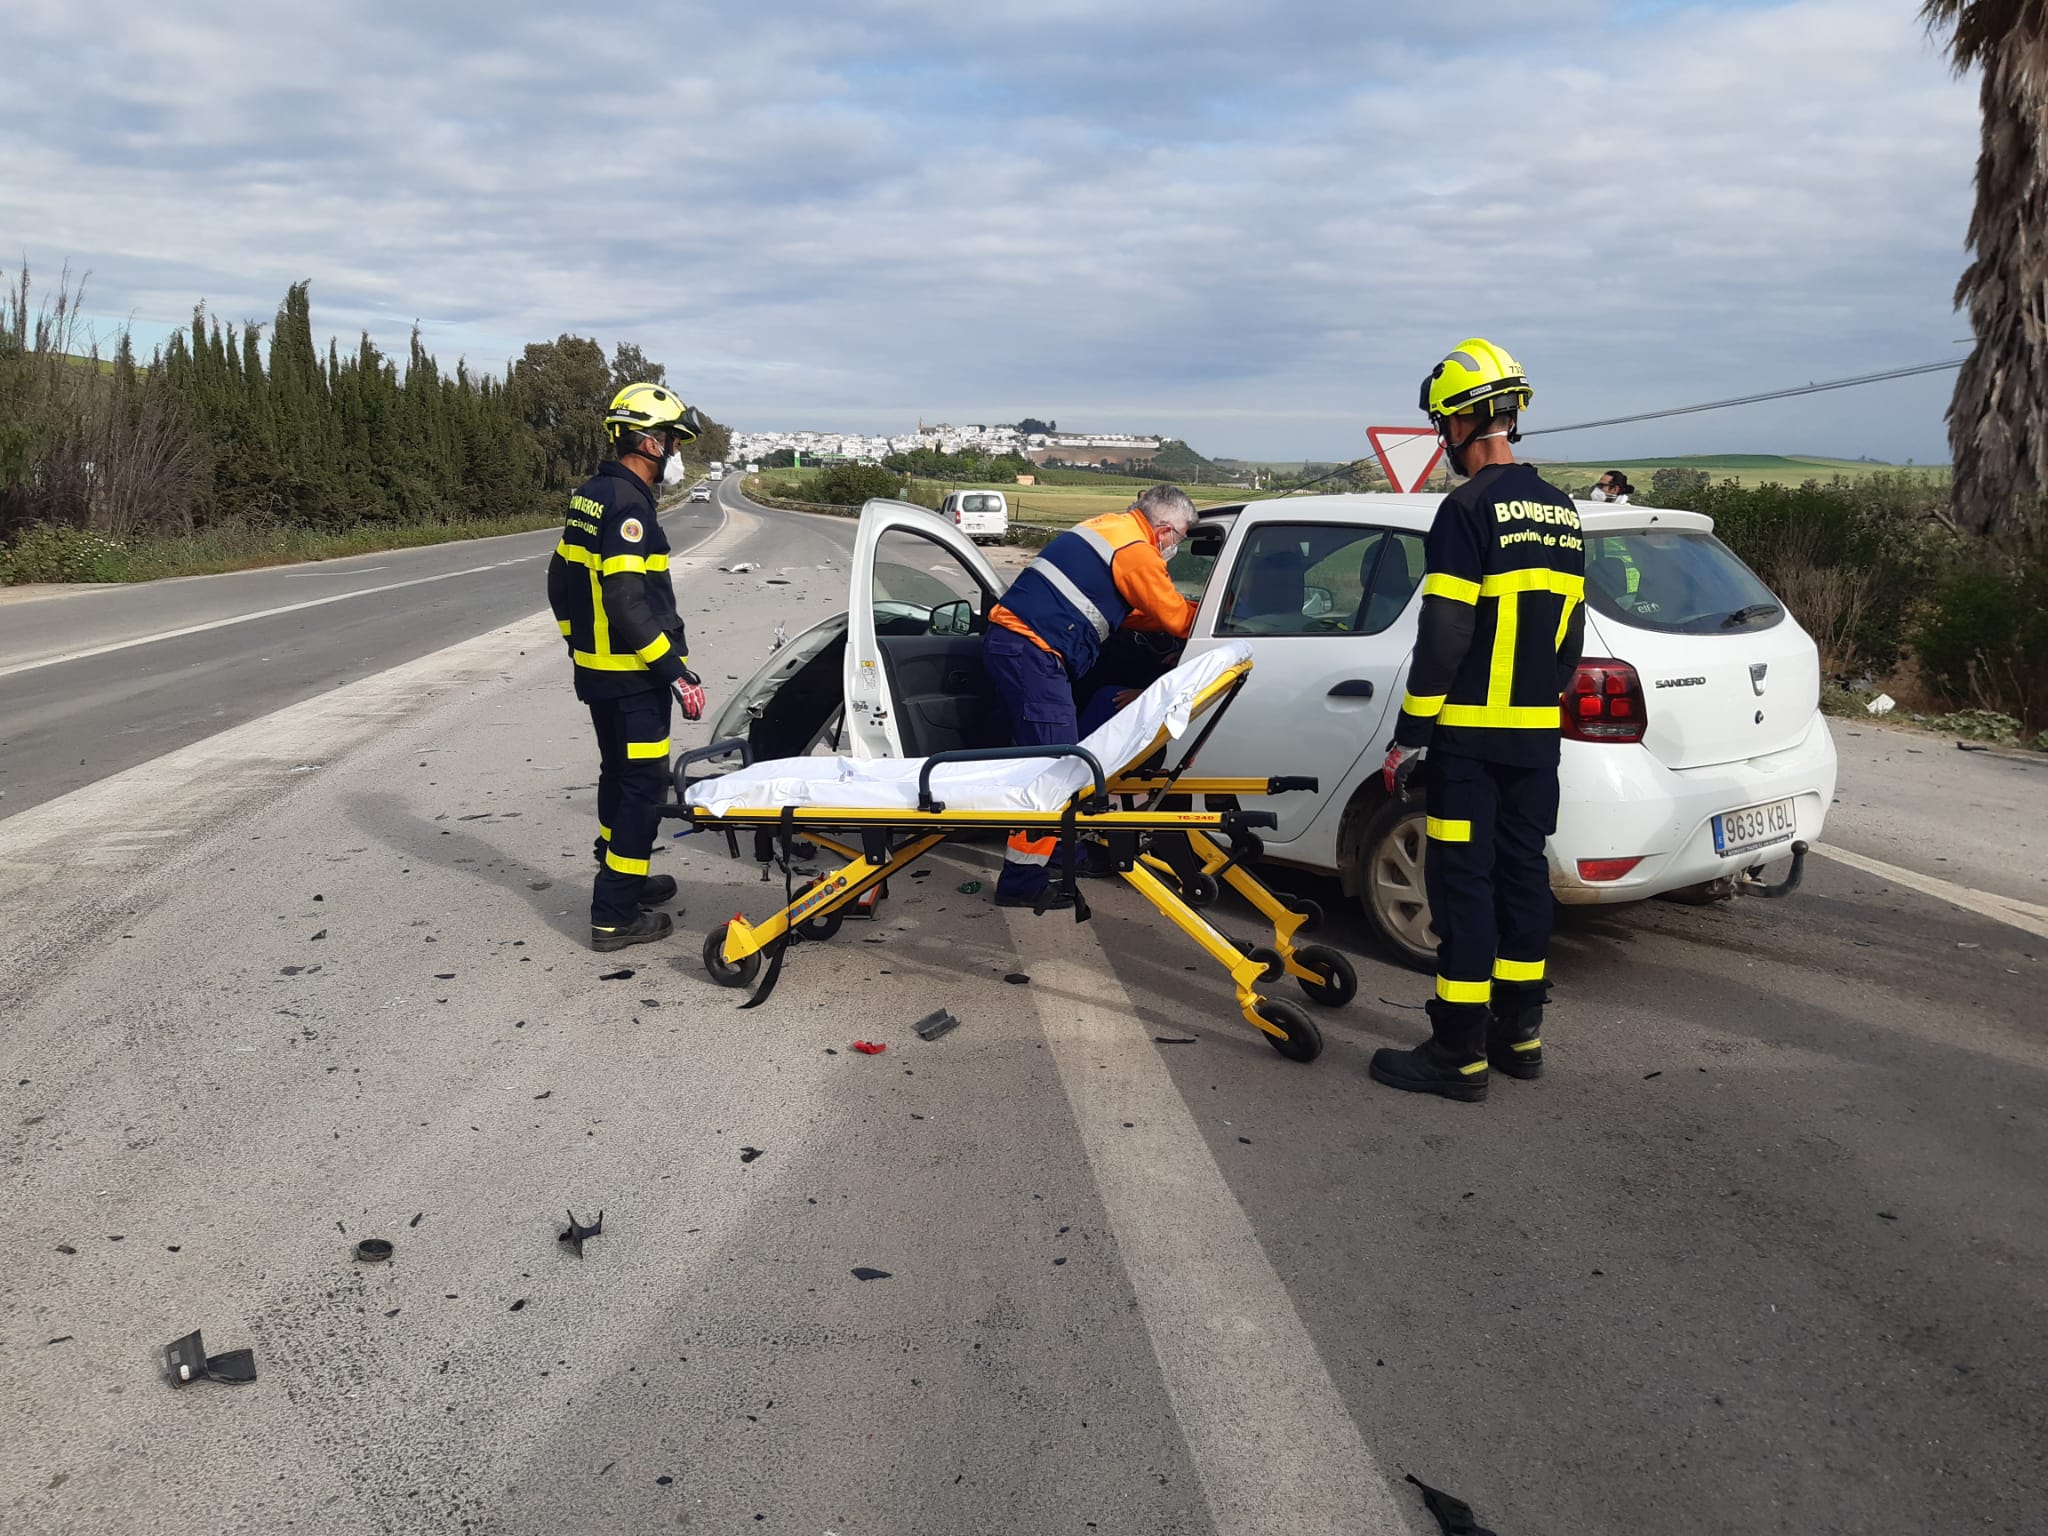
(1747, 469)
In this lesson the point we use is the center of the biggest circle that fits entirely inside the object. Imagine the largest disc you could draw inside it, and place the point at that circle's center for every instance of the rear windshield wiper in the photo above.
(1753, 611)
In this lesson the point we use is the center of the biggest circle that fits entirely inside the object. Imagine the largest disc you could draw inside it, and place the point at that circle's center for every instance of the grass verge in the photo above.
(72, 555)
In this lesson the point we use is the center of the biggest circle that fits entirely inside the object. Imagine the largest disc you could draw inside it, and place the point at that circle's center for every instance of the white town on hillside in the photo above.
(1039, 447)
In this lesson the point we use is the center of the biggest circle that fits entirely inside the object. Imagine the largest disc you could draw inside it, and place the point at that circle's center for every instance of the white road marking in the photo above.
(261, 613)
(2023, 915)
(1271, 1440)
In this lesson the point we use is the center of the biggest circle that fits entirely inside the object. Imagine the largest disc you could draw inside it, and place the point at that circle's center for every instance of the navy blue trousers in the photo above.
(1033, 685)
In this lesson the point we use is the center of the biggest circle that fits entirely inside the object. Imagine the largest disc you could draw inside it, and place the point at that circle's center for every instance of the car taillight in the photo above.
(1604, 702)
(1592, 870)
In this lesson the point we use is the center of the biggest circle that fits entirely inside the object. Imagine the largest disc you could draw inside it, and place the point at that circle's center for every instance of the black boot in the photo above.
(658, 891)
(1062, 900)
(1514, 1035)
(644, 929)
(1450, 1062)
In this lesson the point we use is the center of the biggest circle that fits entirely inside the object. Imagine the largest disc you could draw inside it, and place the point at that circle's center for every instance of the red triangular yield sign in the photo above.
(1406, 454)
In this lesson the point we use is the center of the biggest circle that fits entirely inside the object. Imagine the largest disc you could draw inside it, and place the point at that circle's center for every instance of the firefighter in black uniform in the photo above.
(1503, 619)
(608, 585)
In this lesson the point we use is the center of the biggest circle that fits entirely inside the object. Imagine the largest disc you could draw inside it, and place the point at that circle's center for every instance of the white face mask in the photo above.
(672, 469)
(1597, 494)
(1174, 548)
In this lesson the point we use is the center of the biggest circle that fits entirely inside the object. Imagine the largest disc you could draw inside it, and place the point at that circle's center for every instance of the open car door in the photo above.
(919, 604)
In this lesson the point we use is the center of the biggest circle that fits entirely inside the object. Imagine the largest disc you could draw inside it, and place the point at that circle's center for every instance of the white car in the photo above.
(700, 493)
(1694, 745)
(984, 516)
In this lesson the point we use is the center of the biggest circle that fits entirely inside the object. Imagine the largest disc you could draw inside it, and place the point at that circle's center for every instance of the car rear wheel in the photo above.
(1390, 883)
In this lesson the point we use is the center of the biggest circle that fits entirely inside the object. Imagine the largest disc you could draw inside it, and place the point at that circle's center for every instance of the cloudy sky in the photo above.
(1251, 226)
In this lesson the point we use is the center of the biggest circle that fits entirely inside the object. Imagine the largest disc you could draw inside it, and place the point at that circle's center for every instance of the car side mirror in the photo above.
(953, 618)
(1316, 602)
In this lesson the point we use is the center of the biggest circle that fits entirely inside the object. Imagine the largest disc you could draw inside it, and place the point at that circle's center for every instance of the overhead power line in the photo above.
(1774, 394)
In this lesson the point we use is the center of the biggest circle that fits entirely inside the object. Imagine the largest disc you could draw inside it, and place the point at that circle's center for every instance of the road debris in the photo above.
(869, 1047)
(186, 1360)
(748, 1154)
(1883, 704)
(1648, 1075)
(623, 973)
(864, 1272)
(969, 887)
(1173, 1039)
(578, 1232)
(933, 1025)
(1018, 979)
(1972, 746)
(374, 1250)
(1454, 1516)
(741, 568)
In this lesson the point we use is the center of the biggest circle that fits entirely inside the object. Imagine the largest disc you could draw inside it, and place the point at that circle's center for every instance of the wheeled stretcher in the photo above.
(883, 816)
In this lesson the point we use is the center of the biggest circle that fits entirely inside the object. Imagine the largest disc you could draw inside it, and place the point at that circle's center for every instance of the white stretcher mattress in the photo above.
(1042, 784)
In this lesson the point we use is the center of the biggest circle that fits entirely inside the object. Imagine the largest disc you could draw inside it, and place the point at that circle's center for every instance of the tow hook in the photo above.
(1753, 883)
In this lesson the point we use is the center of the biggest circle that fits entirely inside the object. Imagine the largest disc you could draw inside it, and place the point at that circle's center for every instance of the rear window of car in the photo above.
(981, 503)
(1677, 582)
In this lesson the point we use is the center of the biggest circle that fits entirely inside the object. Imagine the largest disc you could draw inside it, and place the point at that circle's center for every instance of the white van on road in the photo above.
(1694, 748)
(984, 516)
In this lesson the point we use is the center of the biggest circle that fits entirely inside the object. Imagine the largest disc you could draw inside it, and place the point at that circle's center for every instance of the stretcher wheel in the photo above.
(1340, 982)
(1200, 890)
(821, 927)
(1269, 958)
(1304, 1041)
(1310, 912)
(740, 974)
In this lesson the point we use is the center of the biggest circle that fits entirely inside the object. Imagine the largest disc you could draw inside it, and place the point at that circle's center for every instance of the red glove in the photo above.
(690, 694)
(1399, 765)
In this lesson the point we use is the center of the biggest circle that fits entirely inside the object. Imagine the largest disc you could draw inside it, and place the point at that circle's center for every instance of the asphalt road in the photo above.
(1766, 1251)
(96, 680)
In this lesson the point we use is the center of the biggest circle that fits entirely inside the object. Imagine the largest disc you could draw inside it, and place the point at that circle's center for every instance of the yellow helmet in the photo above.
(651, 408)
(1477, 377)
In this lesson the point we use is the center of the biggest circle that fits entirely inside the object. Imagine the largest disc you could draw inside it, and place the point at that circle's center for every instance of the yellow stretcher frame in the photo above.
(880, 843)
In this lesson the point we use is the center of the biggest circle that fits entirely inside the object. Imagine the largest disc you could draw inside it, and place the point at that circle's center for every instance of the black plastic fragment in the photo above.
(373, 1250)
(185, 1360)
(866, 1272)
(1018, 979)
(933, 1025)
(623, 973)
(1454, 1516)
(1173, 1039)
(578, 1232)
(748, 1154)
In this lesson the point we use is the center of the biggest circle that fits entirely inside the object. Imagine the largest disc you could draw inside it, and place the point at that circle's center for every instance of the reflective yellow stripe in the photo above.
(637, 564)
(1507, 717)
(1564, 620)
(1500, 682)
(600, 624)
(604, 831)
(647, 748)
(624, 866)
(657, 562)
(1447, 831)
(656, 647)
(576, 554)
(1456, 588)
(562, 625)
(1526, 1045)
(1422, 708)
(1464, 991)
(1473, 1068)
(1518, 970)
(1562, 583)
(607, 663)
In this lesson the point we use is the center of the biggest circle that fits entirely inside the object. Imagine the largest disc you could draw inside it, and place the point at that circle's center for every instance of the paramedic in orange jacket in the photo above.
(1108, 573)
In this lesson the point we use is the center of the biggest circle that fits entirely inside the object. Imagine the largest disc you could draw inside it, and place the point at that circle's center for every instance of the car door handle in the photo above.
(1353, 688)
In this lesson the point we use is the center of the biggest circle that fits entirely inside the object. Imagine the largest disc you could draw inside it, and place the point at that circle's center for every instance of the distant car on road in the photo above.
(1694, 747)
(700, 493)
(984, 516)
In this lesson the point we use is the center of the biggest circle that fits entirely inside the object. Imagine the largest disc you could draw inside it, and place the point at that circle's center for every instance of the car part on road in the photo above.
(1174, 1039)
(867, 1272)
(933, 1025)
(374, 1250)
(748, 1154)
(577, 1232)
(869, 1047)
(186, 1360)
(1018, 979)
(1454, 1516)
